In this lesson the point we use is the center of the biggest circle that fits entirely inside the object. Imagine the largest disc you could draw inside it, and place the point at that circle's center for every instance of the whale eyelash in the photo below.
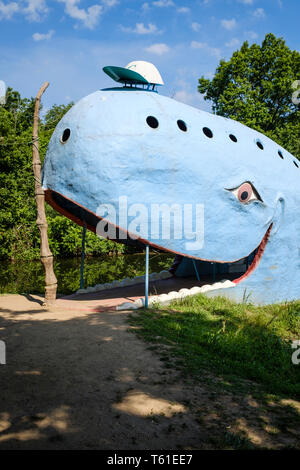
(241, 191)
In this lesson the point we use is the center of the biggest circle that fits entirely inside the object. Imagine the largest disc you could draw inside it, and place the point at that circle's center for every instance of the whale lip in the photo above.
(257, 258)
(84, 217)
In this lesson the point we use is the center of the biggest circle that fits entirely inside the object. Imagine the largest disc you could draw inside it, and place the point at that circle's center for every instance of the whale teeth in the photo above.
(165, 299)
(127, 306)
(153, 299)
(124, 282)
(165, 274)
(195, 290)
(173, 295)
(154, 276)
(227, 284)
(205, 288)
(183, 293)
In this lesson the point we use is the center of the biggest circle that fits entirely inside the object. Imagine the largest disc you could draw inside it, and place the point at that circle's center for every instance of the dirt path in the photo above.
(76, 380)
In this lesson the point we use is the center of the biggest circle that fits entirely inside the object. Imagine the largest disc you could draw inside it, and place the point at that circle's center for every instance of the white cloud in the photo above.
(89, 17)
(203, 45)
(246, 2)
(198, 45)
(8, 10)
(59, 60)
(35, 10)
(43, 37)
(228, 24)
(259, 13)
(233, 42)
(145, 6)
(251, 34)
(184, 97)
(187, 93)
(110, 3)
(140, 28)
(163, 3)
(183, 10)
(196, 26)
(158, 49)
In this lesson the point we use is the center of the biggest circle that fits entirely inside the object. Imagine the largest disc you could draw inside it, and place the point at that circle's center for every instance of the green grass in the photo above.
(234, 340)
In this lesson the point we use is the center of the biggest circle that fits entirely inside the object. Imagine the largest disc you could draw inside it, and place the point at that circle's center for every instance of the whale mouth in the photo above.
(235, 272)
(211, 271)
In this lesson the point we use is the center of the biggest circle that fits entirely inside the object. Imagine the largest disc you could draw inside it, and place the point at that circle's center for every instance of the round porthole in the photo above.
(65, 136)
(152, 122)
(259, 145)
(182, 125)
(296, 164)
(207, 132)
(232, 137)
(280, 154)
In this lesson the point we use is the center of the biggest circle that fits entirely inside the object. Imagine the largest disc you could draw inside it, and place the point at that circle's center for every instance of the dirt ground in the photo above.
(76, 380)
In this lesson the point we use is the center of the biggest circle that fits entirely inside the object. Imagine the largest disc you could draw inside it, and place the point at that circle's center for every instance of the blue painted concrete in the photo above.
(112, 152)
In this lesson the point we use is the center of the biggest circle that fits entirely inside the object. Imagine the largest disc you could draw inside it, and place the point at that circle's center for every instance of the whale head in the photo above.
(146, 169)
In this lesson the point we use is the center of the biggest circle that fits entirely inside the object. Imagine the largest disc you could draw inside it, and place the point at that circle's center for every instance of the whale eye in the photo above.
(65, 136)
(246, 193)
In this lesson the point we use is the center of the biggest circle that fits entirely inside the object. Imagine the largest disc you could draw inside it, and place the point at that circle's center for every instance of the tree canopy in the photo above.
(255, 87)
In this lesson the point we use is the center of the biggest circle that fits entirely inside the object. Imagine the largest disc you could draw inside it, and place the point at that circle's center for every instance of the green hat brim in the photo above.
(123, 75)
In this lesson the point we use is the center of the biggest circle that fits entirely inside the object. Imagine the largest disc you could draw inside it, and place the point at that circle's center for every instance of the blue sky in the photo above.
(67, 42)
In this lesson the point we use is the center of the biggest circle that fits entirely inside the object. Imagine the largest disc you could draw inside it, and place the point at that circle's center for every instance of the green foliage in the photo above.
(55, 114)
(19, 277)
(255, 87)
(236, 340)
(19, 237)
(66, 237)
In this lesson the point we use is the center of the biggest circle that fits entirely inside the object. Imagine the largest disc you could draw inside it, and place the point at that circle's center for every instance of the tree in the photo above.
(255, 87)
(55, 114)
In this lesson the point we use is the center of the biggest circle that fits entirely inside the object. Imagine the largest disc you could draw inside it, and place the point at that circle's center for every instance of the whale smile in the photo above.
(238, 270)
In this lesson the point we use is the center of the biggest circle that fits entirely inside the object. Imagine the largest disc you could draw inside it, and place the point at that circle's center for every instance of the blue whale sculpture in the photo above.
(128, 145)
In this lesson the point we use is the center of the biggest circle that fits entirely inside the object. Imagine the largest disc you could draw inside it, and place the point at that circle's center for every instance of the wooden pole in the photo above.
(46, 255)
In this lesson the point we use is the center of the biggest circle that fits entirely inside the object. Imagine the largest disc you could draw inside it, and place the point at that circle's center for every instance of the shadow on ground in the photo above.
(83, 381)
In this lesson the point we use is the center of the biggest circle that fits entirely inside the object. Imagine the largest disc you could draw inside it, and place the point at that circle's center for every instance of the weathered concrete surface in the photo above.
(113, 153)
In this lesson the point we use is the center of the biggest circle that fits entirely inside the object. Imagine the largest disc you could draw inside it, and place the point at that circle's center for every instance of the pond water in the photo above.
(22, 277)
